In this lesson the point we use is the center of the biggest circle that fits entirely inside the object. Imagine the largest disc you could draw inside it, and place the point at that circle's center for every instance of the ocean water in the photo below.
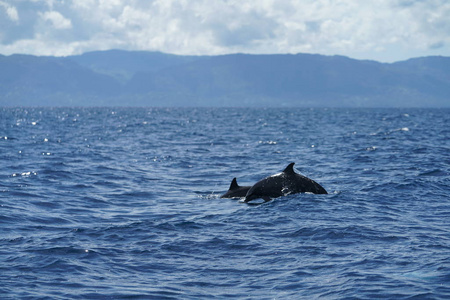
(113, 203)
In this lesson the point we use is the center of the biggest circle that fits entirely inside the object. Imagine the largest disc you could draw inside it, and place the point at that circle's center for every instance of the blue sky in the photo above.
(382, 30)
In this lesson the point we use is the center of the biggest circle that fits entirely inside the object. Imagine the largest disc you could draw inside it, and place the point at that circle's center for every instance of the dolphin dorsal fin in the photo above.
(289, 169)
(234, 184)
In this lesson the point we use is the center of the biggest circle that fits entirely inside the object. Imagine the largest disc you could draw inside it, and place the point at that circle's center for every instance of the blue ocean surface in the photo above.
(113, 203)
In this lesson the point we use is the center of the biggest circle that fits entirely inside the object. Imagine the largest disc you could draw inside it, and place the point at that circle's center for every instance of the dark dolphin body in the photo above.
(281, 184)
(236, 191)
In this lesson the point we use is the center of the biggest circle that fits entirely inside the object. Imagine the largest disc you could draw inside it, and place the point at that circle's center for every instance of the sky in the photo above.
(381, 30)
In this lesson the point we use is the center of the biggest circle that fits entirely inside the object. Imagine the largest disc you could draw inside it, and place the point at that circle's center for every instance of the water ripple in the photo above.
(127, 204)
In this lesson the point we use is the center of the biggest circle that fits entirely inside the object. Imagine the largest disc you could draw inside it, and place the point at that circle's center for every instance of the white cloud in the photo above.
(11, 11)
(56, 19)
(383, 29)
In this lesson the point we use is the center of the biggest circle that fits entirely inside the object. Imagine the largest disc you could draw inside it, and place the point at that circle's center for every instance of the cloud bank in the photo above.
(384, 30)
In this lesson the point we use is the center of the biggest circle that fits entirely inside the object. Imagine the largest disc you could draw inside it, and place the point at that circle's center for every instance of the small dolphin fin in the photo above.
(234, 184)
(289, 169)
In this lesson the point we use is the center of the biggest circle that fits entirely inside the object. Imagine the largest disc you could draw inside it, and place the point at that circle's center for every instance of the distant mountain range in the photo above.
(137, 78)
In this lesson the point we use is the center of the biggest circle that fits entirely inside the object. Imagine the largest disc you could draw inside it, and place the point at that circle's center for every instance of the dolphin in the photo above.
(282, 184)
(236, 191)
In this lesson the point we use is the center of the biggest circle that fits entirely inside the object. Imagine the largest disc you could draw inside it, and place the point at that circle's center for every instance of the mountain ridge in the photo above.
(141, 78)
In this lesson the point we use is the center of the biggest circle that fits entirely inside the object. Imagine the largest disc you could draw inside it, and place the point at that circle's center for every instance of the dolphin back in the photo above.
(282, 184)
(306, 185)
(301, 184)
(235, 190)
